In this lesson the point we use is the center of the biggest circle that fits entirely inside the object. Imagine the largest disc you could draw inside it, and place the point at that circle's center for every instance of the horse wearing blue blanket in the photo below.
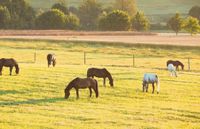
(150, 78)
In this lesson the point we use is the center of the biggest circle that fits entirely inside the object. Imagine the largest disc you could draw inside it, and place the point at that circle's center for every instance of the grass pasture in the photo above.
(35, 97)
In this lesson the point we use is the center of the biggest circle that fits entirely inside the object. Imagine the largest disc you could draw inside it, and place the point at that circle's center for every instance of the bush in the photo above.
(115, 21)
(53, 19)
(195, 12)
(4, 17)
(72, 22)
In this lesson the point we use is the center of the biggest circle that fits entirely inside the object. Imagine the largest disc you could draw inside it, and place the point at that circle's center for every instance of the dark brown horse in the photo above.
(176, 64)
(100, 73)
(51, 59)
(82, 83)
(9, 63)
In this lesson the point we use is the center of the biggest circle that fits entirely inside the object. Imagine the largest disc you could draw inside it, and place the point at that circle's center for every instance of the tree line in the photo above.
(123, 15)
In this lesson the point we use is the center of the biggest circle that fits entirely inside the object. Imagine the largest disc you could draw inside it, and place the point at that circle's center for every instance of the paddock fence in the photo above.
(100, 59)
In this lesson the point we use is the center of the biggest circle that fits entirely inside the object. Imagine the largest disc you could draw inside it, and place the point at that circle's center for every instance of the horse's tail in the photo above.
(97, 90)
(158, 84)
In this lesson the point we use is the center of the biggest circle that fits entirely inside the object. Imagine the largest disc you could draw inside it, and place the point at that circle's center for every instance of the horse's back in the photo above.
(85, 82)
(97, 72)
(8, 62)
(150, 77)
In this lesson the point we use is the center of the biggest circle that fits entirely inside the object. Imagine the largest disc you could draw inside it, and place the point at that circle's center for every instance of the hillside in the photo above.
(149, 7)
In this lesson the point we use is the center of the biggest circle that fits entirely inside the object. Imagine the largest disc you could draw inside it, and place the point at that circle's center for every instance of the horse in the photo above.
(150, 78)
(9, 63)
(176, 64)
(100, 73)
(51, 59)
(82, 83)
(172, 69)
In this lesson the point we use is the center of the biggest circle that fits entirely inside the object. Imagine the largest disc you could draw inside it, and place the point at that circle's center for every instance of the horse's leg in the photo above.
(147, 86)
(153, 86)
(175, 73)
(104, 81)
(1, 67)
(11, 70)
(90, 91)
(77, 94)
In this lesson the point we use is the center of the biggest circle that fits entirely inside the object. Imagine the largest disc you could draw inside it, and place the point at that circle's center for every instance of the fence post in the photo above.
(188, 64)
(84, 58)
(35, 57)
(133, 60)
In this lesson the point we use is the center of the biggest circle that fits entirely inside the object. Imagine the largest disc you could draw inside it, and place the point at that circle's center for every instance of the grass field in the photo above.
(35, 98)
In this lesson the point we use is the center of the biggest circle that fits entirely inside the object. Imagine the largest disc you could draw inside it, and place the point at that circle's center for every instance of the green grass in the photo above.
(35, 98)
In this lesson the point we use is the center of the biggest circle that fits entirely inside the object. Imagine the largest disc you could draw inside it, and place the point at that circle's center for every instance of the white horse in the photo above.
(172, 70)
(150, 78)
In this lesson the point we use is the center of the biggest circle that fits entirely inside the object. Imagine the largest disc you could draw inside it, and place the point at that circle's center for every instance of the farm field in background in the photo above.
(35, 98)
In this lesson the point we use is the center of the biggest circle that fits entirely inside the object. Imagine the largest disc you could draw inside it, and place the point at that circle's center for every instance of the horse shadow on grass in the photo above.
(5, 92)
(33, 101)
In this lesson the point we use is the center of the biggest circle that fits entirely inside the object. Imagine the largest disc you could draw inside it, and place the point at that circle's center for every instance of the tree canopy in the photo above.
(176, 23)
(117, 20)
(127, 6)
(89, 11)
(140, 22)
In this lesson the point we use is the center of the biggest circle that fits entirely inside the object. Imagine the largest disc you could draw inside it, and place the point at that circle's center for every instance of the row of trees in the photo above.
(90, 15)
(190, 24)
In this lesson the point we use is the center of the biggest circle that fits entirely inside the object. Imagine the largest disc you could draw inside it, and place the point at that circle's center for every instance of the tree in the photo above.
(72, 22)
(115, 21)
(61, 6)
(175, 23)
(4, 17)
(126, 5)
(140, 22)
(89, 11)
(22, 15)
(195, 12)
(52, 19)
(192, 25)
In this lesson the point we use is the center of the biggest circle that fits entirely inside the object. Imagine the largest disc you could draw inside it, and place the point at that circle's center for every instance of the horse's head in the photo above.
(144, 86)
(67, 93)
(182, 67)
(17, 69)
(111, 82)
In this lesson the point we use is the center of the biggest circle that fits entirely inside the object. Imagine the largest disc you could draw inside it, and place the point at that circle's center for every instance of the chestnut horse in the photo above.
(176, 64)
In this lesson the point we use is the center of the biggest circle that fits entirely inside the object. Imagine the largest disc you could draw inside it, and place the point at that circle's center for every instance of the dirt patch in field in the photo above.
(109, 37)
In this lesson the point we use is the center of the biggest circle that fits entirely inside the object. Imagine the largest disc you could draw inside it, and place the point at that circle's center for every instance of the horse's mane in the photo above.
(180, 62)
(108, 73)
(71, 84)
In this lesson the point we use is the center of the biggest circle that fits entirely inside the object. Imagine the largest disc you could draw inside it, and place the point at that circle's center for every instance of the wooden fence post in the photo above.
(35, 57)
(133, 60)
(188, 64)
(84, 58)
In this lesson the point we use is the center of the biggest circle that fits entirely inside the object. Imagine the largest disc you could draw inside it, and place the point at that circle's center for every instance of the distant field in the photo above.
(35, 98)
(149, 7)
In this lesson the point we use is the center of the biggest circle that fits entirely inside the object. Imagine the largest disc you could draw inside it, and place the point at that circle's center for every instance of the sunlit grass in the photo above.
(35, 97)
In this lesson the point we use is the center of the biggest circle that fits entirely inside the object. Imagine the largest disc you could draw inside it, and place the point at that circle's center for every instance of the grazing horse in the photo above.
(176, 64)
(172, 70)
(100, 73)
(51, 59)
(9, 63)
(150, 78)
(82, 83)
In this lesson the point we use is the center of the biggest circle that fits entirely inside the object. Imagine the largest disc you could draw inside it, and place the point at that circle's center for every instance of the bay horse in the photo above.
(100, 73)
(176, 63)
(51, 59)
(9, 63)
(150, 78)
(172, 70)
(82, 83)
